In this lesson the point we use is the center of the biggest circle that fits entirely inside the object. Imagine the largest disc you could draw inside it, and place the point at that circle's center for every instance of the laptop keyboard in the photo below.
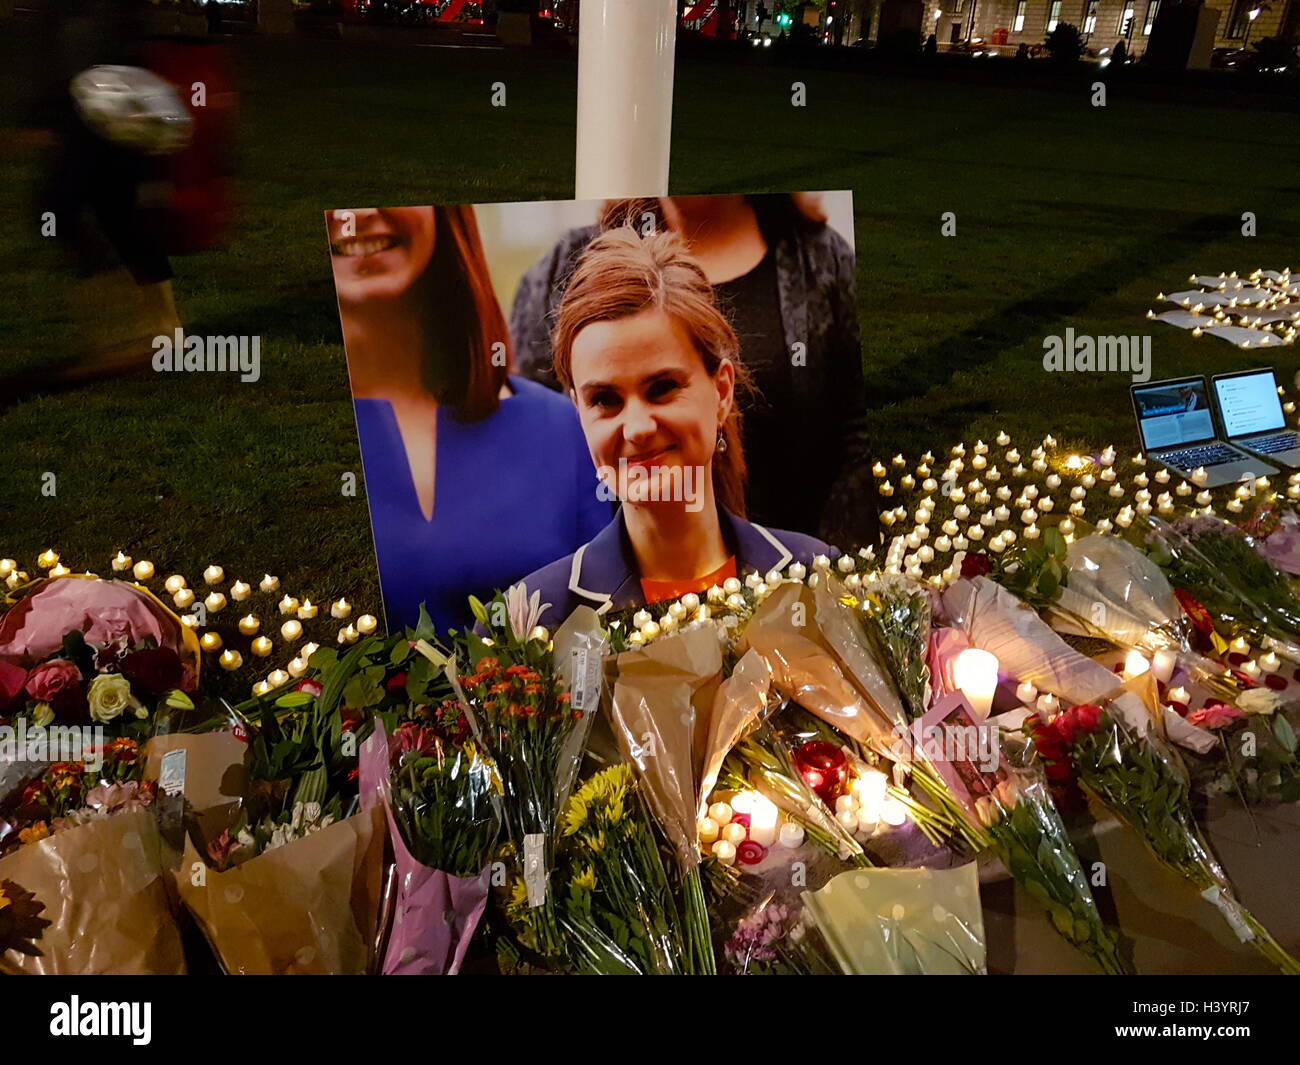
(1206, 455)
(1272, 445)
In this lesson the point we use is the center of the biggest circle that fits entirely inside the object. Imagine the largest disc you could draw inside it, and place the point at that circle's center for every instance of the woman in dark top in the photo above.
(650, 361)
(786, 280)
(474, 476)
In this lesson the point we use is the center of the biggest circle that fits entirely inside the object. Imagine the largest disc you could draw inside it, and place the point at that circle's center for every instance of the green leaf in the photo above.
(424, 629)
(479, 611)
(1284, 732)
(294, 699)
(178, 700)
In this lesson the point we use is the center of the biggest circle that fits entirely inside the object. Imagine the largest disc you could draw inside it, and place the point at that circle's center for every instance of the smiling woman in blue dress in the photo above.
(652, 365)
(474, 475)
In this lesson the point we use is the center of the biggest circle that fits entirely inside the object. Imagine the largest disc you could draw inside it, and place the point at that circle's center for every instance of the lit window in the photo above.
(1126, 18)
(1090, 18)
(1153, 6)
(1018, 23)
(1053, 15)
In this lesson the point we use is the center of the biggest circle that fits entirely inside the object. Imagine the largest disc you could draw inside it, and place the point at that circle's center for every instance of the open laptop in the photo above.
(1177, 429)
(1250, 412)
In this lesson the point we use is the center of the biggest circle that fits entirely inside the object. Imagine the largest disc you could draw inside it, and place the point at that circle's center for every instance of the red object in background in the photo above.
(824, 767)
(999, 36)
(199, 209)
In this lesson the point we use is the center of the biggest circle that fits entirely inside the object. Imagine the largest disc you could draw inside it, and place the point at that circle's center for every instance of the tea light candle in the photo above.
(1179, 695)
(249, 625)
(297, 667)
(214, 602)
(262, 647)
(1026, 692)
(791, 835)
(706, 829)
(230, 660)
(143, 570)
(120, 562)
(239, 591)
(975, 672)
(1048, 704)
(348, 634)
(1251, 669)
(366, 624)
(277, 677)
(725, 852)
(288, 605)
(184, 599)
(308, 610)
(210, 641)
(291, 629)
(1270, 662)
(734, 833)
(174, 583)
(60, 570)
(1163, 663)
(341, 609)
(1135, 664)
(1239, 646)
(214, 574)
(269, 583)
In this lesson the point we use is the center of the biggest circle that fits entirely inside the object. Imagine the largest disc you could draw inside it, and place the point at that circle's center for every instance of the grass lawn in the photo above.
(1066, 215)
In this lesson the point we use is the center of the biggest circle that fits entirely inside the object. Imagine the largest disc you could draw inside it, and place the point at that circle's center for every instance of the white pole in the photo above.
(625, 97)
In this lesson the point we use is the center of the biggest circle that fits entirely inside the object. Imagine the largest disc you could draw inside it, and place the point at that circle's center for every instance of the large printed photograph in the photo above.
(617, 402)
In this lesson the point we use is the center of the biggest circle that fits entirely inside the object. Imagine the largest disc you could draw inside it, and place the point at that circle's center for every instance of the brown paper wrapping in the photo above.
(660, 713)
(786, 631)
(739, 701)
(103, 889)
(214, 766)
(310, 907)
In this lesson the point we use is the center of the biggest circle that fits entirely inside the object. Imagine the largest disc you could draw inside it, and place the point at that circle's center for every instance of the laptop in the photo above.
(1177, 429)
(1250, 412)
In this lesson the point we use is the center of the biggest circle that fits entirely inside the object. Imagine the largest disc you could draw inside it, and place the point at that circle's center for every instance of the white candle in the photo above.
(734, 833)
(291, 629)
(893, 812)
(277, 677)
(120, 563)
(366, 624)
(791, 835)
(763, 818)
(341, 609)
(174, 583)
(231, 660)
(724, 851)
(975, 673)
(143, 570)
(239, 591)
(288, 604)
(707, 829)
(214, 574)
(308, 610)
(1251, 669)
(1163, 663)
(184, 599)
(1026, 692)
(1048, 703)
(214, 602)
(1179, 695)
(1270, 662)
(1135, 664)
(262, 647)
(249, 625)
(721, 812)
(269, 583)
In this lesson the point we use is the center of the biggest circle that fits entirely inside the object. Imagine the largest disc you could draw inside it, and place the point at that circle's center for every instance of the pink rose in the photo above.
(49, 678)
(1215, 716)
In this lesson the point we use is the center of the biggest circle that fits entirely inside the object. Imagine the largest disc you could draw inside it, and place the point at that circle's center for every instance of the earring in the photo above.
(722, 441)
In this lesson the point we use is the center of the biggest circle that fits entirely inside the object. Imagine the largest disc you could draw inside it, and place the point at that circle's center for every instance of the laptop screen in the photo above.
(1249, 403)
(1172, 413)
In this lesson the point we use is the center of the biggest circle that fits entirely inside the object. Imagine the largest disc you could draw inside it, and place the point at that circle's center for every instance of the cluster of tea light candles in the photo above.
(747, 816)
(991, 507)
(185, 599)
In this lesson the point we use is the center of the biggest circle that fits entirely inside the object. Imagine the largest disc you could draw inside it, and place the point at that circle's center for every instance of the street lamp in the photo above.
(1251, 15)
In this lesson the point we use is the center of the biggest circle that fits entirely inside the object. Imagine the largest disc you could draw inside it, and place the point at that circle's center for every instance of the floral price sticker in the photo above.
(171, 777)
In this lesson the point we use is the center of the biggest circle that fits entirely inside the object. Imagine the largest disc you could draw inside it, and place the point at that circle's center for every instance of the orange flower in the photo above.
(517, 671)
(34, 833)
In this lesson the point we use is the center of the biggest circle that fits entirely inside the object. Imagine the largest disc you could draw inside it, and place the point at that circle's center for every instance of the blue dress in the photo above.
(512, 492)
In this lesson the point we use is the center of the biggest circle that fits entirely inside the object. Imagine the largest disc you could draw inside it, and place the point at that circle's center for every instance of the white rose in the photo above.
(1258, 701)
(110, 697)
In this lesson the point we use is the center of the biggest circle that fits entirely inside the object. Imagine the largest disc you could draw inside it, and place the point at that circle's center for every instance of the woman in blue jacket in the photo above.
(474, 475)
(651, 364)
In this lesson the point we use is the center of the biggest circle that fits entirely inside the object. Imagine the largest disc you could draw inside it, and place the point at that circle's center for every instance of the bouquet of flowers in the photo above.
(288, 881)
(1255, 752)
(1114, 752)
(614, 905)
(531, 722)
(83, 835)
(1221, 568)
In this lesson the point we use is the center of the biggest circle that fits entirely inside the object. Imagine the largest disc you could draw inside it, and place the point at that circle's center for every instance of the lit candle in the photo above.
(348, 634)
(308, 610)
(734, 833)
(1239, 646)
(366, 624)
(870, 789)
(210, 641)
(288, 605)
(1270, 662)
(249, 625)
(291, 629)
(1135, 664)
(214, 602)
(707, 829)
(893, 812)
(174, 583)
(214, 574)
(1163, 663)
(297, 667)
(791, 835)
(239, 591)
(1251, 669)
(1026, 692)
(975, 672)
(120, 562)
(269, 583)
(277, 677)
(262, 647)
(184, 599)
(143, 570)
(230, 660)
(341, 609)
(1179, 695)
(725, 852)
(1048, 703)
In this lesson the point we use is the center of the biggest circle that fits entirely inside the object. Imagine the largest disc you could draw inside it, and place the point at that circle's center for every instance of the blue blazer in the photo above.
(602, 573)
(513, 491)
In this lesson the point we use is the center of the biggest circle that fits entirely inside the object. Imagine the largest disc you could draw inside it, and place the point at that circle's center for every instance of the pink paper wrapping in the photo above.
(435, 914)
(944, 647)
(104, 612)
(1282, 546)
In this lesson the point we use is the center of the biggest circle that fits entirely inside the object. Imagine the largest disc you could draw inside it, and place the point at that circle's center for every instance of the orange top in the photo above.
(658, 591)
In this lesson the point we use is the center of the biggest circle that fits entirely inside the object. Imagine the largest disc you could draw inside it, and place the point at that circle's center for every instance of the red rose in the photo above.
(1058, 772)
(975, 565)
(311, 687)
(1066, 727)
(396, 685)
(157, 670)
(48, 679)
(1087, 717)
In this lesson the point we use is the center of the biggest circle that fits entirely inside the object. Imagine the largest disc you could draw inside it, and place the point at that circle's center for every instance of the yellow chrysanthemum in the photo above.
(585, 879)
